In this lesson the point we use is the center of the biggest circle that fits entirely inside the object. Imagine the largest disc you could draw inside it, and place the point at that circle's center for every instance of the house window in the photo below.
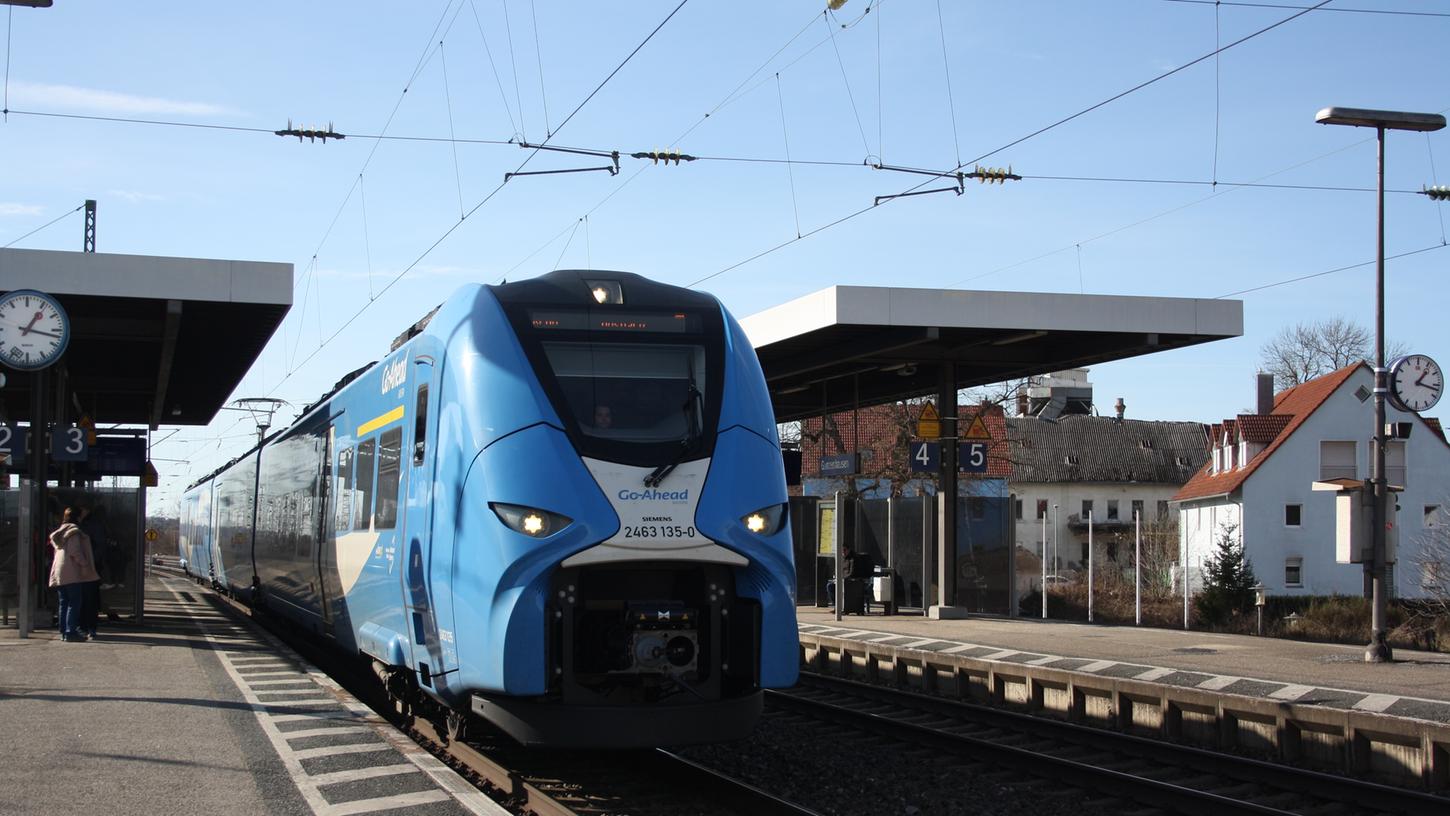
(1337, 460)
(1017, 509)
(1395, 471)
(1087, 508)
(1138, 509)
(1112, 509)
(1162, 510)
(1041, 508)
(1292, 514)
(1432, 515)
(1293, 572)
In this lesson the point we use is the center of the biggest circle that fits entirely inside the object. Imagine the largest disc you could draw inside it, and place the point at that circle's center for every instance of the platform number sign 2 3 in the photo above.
(68, 445)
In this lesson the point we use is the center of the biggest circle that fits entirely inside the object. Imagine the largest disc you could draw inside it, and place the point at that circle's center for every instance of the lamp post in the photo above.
(1378, 650)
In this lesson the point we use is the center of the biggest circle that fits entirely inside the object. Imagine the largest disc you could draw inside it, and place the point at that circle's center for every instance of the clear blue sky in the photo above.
(1013, 68)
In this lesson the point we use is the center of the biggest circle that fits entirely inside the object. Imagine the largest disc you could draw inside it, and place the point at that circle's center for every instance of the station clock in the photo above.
(1416, 383)
(34, 329)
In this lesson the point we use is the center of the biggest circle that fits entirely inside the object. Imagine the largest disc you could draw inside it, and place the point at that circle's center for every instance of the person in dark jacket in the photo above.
(73, 566)
(94, 526)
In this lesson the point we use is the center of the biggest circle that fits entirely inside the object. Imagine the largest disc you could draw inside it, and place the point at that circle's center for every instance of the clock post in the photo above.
(34, 334)
(1378, 650)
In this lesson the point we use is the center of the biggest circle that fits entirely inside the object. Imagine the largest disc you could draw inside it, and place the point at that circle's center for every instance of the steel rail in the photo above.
(1174, 798)
(1363, 793)
(724, 792)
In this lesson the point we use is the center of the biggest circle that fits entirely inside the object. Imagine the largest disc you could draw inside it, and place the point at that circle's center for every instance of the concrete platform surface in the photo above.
(1416, 685)
(196, 710)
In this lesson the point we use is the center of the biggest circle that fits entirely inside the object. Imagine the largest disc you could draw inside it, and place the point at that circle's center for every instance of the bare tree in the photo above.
(1433, 560)
(1301, 352)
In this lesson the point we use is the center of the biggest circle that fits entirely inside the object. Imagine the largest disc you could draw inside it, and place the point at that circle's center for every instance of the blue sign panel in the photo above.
(68, 445)
(117, 456)
(14, 442)
(972, 457)
(925, 457)
(839, 464)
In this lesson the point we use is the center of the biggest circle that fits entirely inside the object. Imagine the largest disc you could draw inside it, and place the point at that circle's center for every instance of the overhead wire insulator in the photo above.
(1437, 193)
(311, 134)
(993, 175)
(666, 156)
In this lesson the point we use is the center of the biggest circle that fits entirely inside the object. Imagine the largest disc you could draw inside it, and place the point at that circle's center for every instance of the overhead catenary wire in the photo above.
(1217, 60)
(448, 100)
(450, 230)
(852, 215)
(1288, 6)
(508, 28)
(846, 80)
(790, 170)
(1215, 194)
(1313, 275)
(51, 222)
(498, 81)
(539, 59)
(947, 69)
(9, 24)
(1435, 180)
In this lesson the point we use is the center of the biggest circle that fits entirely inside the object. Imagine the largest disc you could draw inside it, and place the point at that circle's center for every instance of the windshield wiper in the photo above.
(692, 435)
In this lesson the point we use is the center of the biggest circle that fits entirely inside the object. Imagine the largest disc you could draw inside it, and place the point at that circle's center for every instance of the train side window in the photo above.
(390, 453)
(362, 503)
(342, 490)
(420, 425)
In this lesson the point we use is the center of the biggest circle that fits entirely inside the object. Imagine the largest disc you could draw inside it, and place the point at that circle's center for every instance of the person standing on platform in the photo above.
(73, 566)
(94, 526)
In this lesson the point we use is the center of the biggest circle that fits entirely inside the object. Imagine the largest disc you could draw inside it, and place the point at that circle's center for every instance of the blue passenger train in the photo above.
(558, 504)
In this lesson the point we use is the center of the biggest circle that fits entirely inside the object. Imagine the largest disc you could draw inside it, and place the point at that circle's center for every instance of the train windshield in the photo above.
(632, 393)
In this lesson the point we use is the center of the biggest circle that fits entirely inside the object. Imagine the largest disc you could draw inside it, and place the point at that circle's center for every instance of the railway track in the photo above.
(550, 783)
(1158, 775)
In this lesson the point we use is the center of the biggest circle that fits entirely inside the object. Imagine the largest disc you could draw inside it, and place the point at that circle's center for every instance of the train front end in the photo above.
(646, 593)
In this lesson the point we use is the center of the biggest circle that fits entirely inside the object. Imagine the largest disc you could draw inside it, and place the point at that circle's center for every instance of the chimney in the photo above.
(1120, 407)
(1022, 402)
(1265, 393)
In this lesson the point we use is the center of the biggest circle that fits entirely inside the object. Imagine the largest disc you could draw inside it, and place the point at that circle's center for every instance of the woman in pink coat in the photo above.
(73, 566)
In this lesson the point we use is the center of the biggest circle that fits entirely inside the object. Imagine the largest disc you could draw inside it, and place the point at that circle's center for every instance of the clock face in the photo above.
(1416, 382)
(34, 330)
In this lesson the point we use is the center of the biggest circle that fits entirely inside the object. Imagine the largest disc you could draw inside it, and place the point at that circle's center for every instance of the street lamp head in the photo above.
(1389, 120)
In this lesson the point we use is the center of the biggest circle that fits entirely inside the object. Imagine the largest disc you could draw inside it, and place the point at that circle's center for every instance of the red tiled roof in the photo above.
(1262, 428)
(1297, 403)
(1230, 433)
(1434, 423)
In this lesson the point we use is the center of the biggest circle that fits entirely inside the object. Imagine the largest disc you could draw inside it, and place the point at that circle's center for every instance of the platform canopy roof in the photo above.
(153, 340)
(845, 345)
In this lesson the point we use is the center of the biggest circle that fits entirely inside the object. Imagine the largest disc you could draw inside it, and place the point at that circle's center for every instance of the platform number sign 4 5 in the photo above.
(68, 445)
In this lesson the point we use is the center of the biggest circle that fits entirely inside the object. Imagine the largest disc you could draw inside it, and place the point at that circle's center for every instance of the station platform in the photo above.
(1415, 686)
(197, 710)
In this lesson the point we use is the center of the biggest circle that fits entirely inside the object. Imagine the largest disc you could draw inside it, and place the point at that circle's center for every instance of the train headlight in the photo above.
(528, 520)
(766, 521)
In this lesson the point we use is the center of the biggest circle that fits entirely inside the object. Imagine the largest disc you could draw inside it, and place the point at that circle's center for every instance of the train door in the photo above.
(419, 592)
(328, 577)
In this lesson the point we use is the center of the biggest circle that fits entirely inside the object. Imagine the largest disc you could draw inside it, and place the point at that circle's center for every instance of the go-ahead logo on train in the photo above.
(654, 495)
(394, 374)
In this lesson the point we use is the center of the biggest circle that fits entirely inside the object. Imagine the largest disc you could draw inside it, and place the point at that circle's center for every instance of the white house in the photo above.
(1257, 486)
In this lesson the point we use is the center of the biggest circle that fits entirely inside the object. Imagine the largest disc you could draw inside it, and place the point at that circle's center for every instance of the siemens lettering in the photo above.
(654, 495)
